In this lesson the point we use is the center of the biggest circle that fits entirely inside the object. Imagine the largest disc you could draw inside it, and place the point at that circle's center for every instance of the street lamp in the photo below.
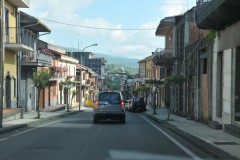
(80, 88)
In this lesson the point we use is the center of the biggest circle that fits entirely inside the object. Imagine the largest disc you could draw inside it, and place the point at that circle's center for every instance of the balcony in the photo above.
(162, 57)
(77, 79)
(40, 59)
(20, 3)
(19, 39)
(59, 74)
(57, 77)
(92, 88)
(217, 14)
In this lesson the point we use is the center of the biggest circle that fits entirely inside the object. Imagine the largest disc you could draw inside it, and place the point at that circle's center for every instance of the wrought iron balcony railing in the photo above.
(17, 35)
(162, 56)
(77, 78)
(40, 58)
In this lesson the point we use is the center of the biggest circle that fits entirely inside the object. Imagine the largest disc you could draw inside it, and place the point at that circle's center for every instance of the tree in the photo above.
(154, 83)
(74, 92)
(68, 84)
(41, 80)
(174, 81)
(144, 89)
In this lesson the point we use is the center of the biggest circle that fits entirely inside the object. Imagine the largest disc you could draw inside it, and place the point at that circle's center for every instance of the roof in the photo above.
(32, 23)
(165, 25)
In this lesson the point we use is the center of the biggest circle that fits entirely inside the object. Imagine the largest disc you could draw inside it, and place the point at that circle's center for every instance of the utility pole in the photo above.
(81, 75)
(2, 55)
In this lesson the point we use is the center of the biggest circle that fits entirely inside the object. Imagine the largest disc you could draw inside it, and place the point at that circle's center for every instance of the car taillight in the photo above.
(122, 104)
(96, 105)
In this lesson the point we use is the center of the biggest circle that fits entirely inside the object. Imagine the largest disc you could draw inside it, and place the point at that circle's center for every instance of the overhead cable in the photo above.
(99, 28)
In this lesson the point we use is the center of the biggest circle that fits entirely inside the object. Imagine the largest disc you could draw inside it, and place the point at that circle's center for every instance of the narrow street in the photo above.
(76, 137)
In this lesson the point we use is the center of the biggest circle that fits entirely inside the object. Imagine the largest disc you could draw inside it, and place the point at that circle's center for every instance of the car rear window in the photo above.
(138, 100)
(111, 97)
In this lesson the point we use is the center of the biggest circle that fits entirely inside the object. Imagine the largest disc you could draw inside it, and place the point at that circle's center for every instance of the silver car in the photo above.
(109, 105)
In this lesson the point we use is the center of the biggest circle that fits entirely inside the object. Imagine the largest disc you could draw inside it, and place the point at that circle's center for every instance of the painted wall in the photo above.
(142, 68)
(10, 56)
(226, 42)
(10, 66)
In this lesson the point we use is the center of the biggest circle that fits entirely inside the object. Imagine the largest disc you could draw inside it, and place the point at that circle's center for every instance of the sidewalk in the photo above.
(215, 142)
(30, 118)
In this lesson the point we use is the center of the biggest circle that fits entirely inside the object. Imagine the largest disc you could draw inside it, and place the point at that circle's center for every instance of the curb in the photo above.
(19, 126)
(54, 117)
(204, 146)
(12, 128)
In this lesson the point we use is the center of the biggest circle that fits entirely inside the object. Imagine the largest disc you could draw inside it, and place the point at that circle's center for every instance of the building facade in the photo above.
(29, 60)
(223, 87)
(14, 45)
(97, 65)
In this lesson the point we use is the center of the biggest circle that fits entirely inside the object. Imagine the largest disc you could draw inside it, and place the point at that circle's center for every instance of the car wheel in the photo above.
(123, 120)
(95, 119)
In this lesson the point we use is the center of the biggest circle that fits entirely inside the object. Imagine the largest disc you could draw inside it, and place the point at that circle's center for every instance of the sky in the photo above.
(124, 28)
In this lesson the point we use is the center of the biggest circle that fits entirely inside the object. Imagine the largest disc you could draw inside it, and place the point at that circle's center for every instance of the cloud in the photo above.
(175, 7)
(131, 44)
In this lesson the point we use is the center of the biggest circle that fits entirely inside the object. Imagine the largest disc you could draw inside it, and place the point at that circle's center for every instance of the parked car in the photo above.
(137, 104)
(109, 105)
(127, 104)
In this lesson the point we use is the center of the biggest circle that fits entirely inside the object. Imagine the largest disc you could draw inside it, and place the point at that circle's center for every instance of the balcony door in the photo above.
(8, 91)
(7, 24)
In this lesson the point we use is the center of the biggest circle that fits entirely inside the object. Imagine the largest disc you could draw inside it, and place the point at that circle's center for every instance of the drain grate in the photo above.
(226, 143)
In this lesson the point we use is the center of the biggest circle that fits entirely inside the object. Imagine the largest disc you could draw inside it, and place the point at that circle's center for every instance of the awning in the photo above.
(32, 23)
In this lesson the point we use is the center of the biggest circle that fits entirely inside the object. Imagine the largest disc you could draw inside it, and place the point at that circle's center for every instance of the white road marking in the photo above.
(20, 133)
(3, 139)
(190, 153)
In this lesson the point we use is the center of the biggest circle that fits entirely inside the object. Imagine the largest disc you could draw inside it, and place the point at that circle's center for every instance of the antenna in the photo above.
(78, 42)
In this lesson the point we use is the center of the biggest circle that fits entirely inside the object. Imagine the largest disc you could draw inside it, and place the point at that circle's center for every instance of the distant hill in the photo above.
(118, 60)
(113, 59)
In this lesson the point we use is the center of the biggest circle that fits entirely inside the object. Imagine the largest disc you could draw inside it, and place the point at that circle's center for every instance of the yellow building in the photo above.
(146, 68)
(149, 67)
(13, 47)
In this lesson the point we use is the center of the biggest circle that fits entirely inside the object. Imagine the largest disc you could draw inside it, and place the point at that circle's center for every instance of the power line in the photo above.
(99, 28)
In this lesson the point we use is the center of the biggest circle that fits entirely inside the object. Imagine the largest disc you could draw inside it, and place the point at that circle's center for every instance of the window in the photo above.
(7, 24)
(111, 97)
(204, 66)
(162, 72)
(237, 86)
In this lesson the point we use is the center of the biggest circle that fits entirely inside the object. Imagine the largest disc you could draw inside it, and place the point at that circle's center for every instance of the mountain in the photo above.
(112, 59)
(118, 60)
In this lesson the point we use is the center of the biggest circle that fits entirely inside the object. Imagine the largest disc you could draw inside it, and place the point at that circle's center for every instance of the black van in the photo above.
(137, 104)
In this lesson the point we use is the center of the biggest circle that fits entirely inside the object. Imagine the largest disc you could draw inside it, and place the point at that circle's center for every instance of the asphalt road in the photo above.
(77, 138)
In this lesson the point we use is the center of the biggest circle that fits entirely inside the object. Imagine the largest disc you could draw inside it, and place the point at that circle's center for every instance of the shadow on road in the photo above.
(85, 121)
